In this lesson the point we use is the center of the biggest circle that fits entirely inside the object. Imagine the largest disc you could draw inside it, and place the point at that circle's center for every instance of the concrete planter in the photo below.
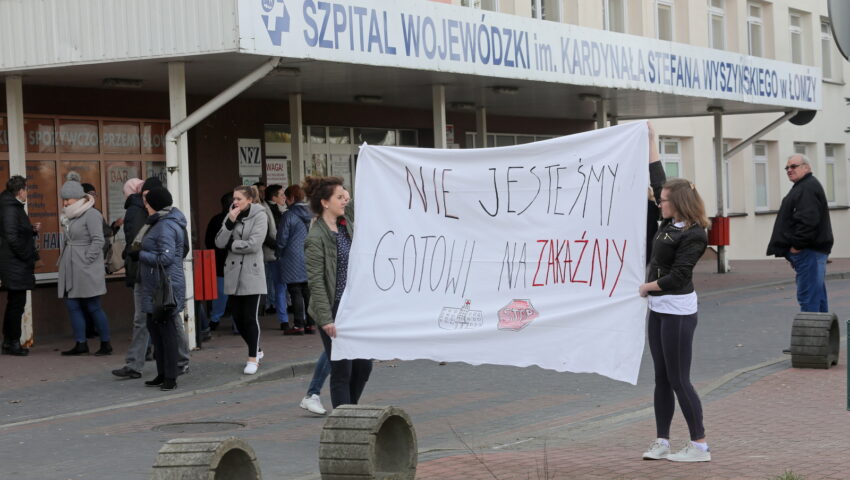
(814, 340)
(206, 459)
(361, 441)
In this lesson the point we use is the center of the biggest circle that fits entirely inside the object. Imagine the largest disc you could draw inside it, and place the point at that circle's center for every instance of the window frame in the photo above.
(718, 12)
(795, 37)
(829, 177)
(826, 49)
(670, 158)
(667, 4)
(753, 22)
(761, 160)
(606, 15)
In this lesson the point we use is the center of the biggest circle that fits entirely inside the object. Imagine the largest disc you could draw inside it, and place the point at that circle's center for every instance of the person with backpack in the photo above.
(18, 255)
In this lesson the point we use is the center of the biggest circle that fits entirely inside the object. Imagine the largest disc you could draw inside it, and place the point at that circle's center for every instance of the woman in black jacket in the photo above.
(678, 245)
(17, 261)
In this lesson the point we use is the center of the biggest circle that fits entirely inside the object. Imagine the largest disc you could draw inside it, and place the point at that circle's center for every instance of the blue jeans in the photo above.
(271, 301)
(219, 304)
(320, 374)
(810, 266)
(280, 298)
(78, 317)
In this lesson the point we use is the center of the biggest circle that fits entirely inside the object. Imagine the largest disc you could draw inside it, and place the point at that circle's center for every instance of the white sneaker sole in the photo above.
(305, 407)
(688, 460)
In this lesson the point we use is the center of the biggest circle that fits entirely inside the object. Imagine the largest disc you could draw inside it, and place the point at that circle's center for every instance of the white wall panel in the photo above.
(36, 33)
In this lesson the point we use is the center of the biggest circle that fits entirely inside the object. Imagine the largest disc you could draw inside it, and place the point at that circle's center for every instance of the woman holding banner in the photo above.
(678, 245)
(326, 250)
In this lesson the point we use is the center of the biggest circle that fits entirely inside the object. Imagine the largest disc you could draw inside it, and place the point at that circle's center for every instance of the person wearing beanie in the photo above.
(151, 182)
(82, 277)
(161, 243)
(133, 185)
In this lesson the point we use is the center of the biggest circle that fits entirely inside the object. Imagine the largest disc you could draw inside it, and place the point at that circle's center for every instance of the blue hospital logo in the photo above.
(276, 19)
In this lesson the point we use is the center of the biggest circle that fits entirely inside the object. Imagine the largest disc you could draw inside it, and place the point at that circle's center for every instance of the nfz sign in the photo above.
(250, 160)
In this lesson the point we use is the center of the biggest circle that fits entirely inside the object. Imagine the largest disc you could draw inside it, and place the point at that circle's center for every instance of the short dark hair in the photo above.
(259, 184)
(272, 190)
(15, 184)
(295, 192)
(226, 200)
(88, 187)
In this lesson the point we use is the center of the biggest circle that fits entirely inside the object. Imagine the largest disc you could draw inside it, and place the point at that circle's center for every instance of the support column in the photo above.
(719, 175)
(438, 106)
(296, 130)
(601, 113)
(18, 166)
(481, 127)
(178, 183)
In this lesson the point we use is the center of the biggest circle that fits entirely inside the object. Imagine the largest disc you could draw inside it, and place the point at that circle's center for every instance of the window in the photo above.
(761, 177)
(800, 148)
(471, 3)
(826, 49)
(755, 29)
(716, 24)
(503, 139)
(795, 31)
(829, 174)
(546, 10)
(615, 15)
(727, 177)
(664, 19)
(671, 157)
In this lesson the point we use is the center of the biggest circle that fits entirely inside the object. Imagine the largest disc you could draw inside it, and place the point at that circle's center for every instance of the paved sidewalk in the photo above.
(781, 418)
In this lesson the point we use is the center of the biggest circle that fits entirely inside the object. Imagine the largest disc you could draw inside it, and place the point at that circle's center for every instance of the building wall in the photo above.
(750, 229)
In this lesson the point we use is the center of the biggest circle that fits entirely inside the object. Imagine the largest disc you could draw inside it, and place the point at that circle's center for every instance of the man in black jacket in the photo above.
(18, 255)
(803, 234)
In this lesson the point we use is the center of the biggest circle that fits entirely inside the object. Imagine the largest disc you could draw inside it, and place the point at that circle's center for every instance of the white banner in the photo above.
(523, 255)
(449, 38)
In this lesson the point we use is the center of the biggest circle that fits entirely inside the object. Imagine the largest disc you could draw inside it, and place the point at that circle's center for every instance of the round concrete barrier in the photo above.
(206, 459)
(362, 441)
(814, 340)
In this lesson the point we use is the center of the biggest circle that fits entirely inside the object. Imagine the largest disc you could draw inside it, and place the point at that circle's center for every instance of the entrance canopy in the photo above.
(390, 53)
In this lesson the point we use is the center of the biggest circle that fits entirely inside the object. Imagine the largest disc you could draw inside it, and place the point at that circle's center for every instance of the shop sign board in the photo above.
(437, 37)
(277, 171)
(250, 161)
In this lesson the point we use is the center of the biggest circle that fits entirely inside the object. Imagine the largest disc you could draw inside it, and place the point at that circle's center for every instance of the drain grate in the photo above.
(197, 427)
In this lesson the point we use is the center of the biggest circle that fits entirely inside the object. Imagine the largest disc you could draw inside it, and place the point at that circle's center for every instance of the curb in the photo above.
(791, 281)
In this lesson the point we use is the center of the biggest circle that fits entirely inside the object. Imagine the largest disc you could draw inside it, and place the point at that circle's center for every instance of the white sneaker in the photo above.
(251, 368)
(657, 451)
(314, 404)
(690, 454)
(260, 356)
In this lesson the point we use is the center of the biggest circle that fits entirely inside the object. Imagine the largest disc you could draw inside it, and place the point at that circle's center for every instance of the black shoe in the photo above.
(15, 348)
(294, 331)
(157, 381)
(105, 349)
(284, 326)
(126, 372)
(79, 348)
(786, 351)
(149, 354)
(168, 384)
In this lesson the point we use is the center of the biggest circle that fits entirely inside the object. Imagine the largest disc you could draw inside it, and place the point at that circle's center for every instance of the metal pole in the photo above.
(719, 169)
(481, 127)
(438, 106)
(18, 166)
(601, 113)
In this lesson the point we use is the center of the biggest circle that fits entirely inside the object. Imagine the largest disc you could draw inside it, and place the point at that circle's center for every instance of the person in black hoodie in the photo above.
(802, 233)
(679, 243)
(18, 255)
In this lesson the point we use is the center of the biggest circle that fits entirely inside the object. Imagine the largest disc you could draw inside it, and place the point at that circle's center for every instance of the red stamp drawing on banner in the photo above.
(517, 315)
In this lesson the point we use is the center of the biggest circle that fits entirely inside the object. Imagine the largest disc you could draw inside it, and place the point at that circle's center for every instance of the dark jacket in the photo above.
(803, 220)
(17, 245)
(320, 252)
(163, 245)
(294, 225)
(657, 177)
(209, 241)
(675, 251)
(135, 215)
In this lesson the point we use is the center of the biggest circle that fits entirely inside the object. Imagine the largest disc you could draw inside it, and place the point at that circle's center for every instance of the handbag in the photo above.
(115, 260)
(163, 300)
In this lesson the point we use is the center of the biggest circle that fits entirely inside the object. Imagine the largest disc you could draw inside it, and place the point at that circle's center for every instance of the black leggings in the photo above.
(670, 341)
(245, 309)
(348, 377)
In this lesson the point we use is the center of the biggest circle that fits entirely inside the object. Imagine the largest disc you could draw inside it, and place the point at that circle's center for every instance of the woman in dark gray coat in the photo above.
(242, 235)
(17, 261)
(82, 277)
